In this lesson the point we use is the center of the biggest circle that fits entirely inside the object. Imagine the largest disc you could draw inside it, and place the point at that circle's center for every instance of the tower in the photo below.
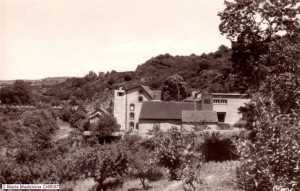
(120, 107)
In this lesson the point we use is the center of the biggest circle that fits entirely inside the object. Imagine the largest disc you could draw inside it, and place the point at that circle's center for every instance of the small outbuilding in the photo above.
(199, 120)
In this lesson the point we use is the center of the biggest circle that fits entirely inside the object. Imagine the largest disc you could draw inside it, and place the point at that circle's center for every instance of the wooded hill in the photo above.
(211, 72)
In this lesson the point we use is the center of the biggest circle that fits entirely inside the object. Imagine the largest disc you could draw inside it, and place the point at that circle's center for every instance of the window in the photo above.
(140, 98)
(131, 125)
(131, 116)
(120, 93)
(156, 126)
(207, 101)
(137, 126)
(131, 107)
(220, 101)
(221, 116)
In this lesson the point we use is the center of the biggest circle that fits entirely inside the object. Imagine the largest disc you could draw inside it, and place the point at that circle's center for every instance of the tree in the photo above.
(176, 151)
(18, 93)
(174, 88)
(265, 37)
(142, 164)
(270, 155)
(105, 127)
(79, 117)
(91, 76)
(253, 26)
(102, 163)
(141, 159)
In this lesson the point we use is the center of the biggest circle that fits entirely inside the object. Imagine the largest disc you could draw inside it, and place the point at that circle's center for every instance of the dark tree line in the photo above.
(20, 93)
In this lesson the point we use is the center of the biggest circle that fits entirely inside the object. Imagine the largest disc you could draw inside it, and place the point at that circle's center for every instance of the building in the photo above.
(96, 115)
(128, 103)
(165, 115)
(225, 104)
(140, 109)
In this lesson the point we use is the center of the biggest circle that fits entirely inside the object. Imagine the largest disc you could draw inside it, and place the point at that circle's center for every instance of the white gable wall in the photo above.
(231, 108)
(133, 98)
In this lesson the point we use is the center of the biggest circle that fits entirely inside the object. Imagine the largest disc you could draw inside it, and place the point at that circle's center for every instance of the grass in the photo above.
(218, 176)
(215, 176)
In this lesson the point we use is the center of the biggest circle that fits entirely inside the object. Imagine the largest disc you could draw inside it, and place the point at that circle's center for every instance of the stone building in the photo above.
(128, 103)
(139, 109)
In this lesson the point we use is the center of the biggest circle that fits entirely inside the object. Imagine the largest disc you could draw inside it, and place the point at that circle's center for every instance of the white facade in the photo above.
(228, 105)
(127, 107)
(119, 107)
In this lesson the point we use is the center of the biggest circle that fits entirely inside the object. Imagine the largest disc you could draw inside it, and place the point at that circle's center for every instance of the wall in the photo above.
(133, 98)
(231, 108)
(199, 126)
(147, 125)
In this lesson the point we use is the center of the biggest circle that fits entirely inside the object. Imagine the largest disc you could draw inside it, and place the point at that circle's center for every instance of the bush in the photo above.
(102, 163)
(155, 174)
(218, 148)
(106, 126)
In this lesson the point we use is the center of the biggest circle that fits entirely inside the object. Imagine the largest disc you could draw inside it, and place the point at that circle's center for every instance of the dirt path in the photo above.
(63, 131)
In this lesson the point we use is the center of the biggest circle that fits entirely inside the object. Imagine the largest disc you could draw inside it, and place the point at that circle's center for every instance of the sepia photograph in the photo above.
(160, 95)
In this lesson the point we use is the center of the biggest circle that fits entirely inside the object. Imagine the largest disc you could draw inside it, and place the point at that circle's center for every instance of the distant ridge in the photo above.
(48, 81)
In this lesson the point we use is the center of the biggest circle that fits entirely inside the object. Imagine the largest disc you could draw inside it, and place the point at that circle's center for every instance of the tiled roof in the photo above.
(199, 116)
(164, 110)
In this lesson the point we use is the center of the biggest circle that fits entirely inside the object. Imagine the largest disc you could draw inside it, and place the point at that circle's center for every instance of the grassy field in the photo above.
(219, 176)
(215, 176)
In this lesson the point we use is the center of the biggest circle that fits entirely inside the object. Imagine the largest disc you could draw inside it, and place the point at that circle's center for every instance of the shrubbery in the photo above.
(270, 158)
(218, 147)
(102, 163)
(25, 141)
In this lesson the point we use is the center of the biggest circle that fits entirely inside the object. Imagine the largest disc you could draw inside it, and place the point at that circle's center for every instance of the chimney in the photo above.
(206, 101)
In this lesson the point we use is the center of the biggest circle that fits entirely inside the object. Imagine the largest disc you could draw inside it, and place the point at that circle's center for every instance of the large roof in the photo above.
(146, 89)
(164, 110)
(199, 116)
(153, 94)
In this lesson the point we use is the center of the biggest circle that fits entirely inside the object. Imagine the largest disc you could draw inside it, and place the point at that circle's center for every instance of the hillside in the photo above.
(207, 71)
(211, 72)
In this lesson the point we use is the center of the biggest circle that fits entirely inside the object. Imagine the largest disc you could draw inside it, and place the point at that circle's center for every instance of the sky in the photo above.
(47, 38)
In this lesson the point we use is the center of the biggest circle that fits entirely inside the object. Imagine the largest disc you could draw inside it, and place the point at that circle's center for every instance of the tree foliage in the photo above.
(265, 36)
(20, 93)
(255, 27)
(100, 163)
(25, 141)
(174, 88)
(105, 127)
(176, 152)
